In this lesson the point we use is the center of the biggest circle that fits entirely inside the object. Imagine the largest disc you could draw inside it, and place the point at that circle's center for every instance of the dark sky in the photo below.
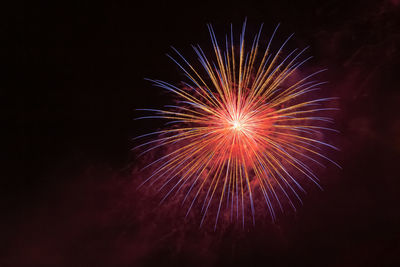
(68, 195)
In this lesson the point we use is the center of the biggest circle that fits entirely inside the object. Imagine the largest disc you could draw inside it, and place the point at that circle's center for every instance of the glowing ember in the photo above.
(237, 125)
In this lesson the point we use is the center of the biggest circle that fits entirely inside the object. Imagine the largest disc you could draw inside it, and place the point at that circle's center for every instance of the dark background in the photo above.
(68, 194)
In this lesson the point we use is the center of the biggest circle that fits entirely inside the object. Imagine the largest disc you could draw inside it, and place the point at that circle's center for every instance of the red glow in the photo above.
(241, 130)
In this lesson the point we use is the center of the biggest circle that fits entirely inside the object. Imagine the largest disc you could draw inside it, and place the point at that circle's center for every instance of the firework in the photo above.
(246, 126)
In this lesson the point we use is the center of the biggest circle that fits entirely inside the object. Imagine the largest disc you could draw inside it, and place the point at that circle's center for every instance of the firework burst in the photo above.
(246, 126)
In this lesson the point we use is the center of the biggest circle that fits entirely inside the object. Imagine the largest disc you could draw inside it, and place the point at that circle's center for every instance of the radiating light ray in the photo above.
(247, 127)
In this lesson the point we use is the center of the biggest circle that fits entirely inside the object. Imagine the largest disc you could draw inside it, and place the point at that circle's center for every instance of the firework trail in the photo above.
(245, 126)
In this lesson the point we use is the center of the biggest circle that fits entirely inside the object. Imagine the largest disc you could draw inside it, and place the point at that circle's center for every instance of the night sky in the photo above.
(68, 192)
